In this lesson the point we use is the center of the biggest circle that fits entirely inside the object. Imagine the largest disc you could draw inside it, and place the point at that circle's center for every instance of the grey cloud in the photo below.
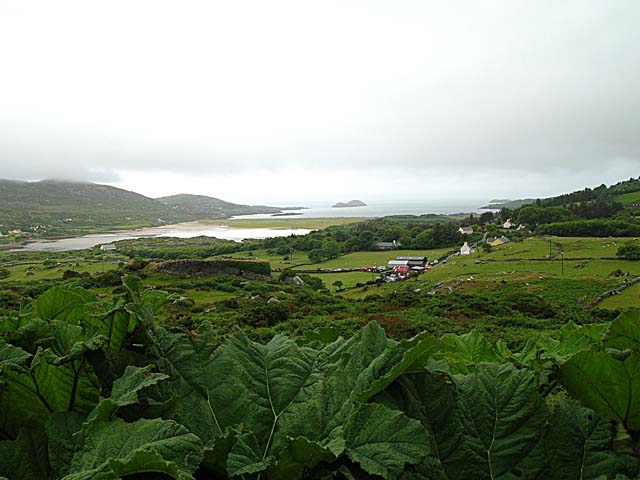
(522, 86)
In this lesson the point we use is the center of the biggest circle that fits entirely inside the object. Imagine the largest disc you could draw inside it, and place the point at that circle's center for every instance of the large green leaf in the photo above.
(382, 440)
(483, 425)
(624, 332)
(247, 457)
(188, 363)
(32, 334)
(608, 382)
(407, 356)
(279, 392)
(464, 352)
(580, 444)
(58, 379)
(507, 413)
(297, 458)
(70, 305)
(571, 339)
(125, 391)
(61, 428)
(25, 458)
(115, 324)
(11, 356)
(216, 453)
(343, 371)
(255, 384)
(116, 448)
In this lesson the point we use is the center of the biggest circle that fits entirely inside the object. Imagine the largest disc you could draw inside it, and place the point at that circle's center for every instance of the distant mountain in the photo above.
(210, 207)
(500, 204)
(352, 203)
(56, 207)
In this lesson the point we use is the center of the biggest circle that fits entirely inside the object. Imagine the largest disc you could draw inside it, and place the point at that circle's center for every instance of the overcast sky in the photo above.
(290, 101)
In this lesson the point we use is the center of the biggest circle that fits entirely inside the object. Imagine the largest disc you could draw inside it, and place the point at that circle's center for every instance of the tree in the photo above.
(4, 272)
(338, 284)
(485, 247)
(629, 251)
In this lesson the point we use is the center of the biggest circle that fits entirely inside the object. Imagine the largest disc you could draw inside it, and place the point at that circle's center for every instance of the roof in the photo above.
(466, 229)
(397, 263)
(413, 259)
(504, 239)
(491, 239)
(108, 246)
(386, 244)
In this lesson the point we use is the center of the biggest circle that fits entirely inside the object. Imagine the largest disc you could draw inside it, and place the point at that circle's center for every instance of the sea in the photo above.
(381, 209)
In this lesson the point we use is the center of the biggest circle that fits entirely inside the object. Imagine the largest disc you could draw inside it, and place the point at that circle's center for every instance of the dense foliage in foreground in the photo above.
(98, 390)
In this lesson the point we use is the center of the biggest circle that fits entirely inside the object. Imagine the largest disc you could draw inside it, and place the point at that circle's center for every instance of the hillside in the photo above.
(210, 207)
(58, 207)
(500, 204)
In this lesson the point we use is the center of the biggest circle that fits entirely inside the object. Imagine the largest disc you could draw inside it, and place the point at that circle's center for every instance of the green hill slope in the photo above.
(56, 207)
(210, 207)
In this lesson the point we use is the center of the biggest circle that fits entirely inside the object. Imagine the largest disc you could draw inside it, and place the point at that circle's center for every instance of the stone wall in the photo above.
(202, 268)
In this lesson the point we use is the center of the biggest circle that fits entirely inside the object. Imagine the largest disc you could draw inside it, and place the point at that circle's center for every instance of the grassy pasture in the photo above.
(287, 222)
(629, 298)
(628, 198)
(524, 262)
(371, 259)
(42, 272)
(348, 279)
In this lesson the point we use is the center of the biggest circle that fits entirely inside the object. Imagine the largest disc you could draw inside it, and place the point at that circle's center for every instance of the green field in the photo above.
(348, 279)
(524, 263)
(629, 298)
(374, 259)
(628, 198)
(42, 272)
(287, 222)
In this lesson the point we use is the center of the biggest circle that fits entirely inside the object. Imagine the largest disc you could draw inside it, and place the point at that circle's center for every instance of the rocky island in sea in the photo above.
(352, 203)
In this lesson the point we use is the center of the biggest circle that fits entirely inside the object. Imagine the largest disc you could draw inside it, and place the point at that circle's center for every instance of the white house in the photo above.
(466, 230)
(465, 249)
(107, 246)
(507, 224)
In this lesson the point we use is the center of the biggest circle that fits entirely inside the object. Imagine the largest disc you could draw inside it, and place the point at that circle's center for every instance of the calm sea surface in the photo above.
(323, 210)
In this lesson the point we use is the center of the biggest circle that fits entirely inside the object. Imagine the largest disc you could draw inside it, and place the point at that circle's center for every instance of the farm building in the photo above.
(387, 245)
(107, 247)
(466, 230)
(414, 261)
(465, 249)
(499, 241)
(397, 263)
(507, 224)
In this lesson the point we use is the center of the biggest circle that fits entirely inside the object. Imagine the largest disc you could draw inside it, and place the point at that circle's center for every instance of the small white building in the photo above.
(466, 230)
(465, 249)
(107, 247)
(507, 224)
